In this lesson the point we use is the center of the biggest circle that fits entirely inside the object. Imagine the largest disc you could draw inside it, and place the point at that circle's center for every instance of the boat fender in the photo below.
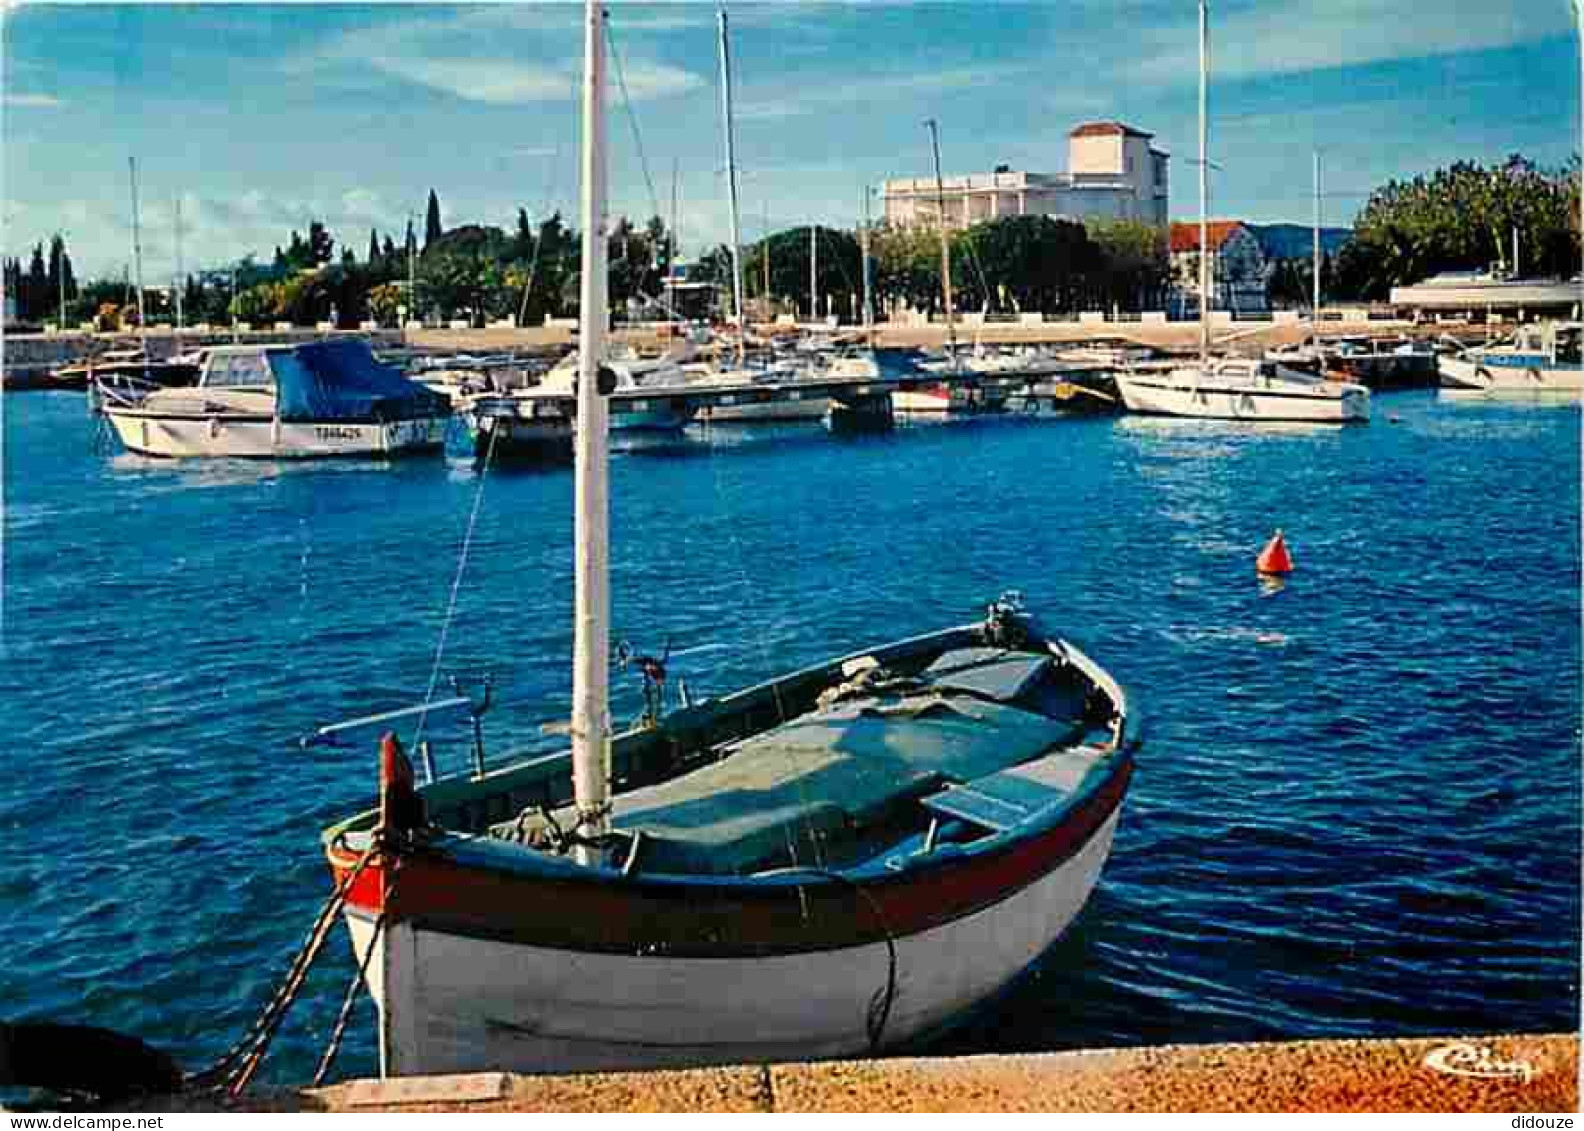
(605, 381)
(83, 1059)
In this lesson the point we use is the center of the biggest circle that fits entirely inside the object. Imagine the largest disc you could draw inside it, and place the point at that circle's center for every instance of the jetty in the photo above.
(1506, 1073)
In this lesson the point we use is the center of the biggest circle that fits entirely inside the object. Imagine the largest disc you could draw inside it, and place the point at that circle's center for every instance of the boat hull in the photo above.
(457, 1002)
(261, 437)
(1478, 375)
(812, 408)
(1208, 401)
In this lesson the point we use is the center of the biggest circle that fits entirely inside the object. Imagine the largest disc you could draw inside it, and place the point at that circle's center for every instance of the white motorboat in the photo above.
(836, 862)
(1542, 358)
(302, 401)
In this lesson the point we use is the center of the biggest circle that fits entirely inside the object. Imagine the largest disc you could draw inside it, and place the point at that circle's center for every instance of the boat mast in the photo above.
(591, 619)
(868, 301)
(671, 251)
(180, 321)
(769, 305)
(731, 190)
(1315, 316)
(940, 203)
(1204, 184)
(813, 272)
(137, 245)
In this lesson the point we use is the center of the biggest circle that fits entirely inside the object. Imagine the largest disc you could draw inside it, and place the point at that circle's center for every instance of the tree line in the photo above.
(38, 291)
(1458, 218)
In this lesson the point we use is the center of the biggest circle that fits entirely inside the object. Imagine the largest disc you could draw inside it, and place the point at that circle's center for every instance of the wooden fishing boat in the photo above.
(842, 860)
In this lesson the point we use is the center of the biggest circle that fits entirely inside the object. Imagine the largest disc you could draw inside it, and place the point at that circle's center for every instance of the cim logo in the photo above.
(1477, 1061)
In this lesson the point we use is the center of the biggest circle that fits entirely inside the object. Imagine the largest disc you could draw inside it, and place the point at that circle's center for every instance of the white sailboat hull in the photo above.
(264, 438)
(1167, 397)
(455, 1004)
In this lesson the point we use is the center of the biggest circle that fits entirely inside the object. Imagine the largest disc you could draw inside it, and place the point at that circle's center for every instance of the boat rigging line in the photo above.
(456, 587)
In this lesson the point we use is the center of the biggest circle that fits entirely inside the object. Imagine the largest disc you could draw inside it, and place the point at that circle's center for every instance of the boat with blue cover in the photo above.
(310, 400)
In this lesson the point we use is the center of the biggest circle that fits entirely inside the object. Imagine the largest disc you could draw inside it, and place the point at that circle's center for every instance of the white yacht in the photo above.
(304, 401)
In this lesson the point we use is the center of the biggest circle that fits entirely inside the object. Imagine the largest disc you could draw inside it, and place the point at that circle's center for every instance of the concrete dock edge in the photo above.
(1508, 1073)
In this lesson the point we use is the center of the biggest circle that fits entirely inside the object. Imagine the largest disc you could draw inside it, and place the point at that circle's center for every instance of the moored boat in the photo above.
(1542, 358)
(834, 862)
(304, 401)
(1243, 389)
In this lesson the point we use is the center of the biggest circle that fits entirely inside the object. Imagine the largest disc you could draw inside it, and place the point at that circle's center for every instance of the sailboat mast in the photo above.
(868, 301)
(137, 245)
(1316, 307)
(671, 242)
(769, 313)
(731, 188)
(940, 203)
(591, 619)
(1204, 183)
(180, 321)
(813, 272)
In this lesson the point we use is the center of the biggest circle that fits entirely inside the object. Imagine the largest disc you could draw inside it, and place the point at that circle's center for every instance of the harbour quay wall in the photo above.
(1508, 1073)
(34, 355)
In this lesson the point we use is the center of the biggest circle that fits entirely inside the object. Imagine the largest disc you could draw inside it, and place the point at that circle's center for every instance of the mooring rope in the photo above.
(360, 978)
(224, 1073)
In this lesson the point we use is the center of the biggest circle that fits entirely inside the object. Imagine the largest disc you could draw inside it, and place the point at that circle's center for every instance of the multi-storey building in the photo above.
(1113, 173)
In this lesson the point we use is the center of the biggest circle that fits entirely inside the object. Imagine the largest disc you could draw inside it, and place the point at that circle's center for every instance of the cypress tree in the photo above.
(374, 249)
(37, 288)
(432, 229)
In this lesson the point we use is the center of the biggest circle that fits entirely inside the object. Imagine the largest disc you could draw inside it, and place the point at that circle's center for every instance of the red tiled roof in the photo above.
(1106, 129)
(1185, 237)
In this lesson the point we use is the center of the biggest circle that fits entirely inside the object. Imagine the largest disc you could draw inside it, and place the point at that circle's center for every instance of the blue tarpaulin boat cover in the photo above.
(341, 380)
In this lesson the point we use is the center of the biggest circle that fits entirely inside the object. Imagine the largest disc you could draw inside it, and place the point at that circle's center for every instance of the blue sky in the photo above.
(262, 117)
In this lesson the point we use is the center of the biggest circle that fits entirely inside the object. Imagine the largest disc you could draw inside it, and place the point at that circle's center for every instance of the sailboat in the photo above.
(841, 860)
(1233, 388)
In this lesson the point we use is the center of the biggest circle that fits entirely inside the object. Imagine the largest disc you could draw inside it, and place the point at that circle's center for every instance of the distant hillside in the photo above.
(1296, 241)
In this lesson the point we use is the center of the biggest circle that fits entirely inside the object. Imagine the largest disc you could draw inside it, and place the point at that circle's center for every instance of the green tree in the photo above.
(432, 227)
(320, 244)
(1462, 217)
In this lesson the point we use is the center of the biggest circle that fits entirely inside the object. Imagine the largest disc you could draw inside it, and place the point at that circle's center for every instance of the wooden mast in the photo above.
(591, 619)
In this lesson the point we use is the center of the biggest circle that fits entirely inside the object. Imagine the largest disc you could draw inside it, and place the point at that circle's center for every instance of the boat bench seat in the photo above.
(1035, 792)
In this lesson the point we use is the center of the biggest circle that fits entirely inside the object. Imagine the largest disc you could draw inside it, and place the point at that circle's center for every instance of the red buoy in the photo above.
(1274, 558)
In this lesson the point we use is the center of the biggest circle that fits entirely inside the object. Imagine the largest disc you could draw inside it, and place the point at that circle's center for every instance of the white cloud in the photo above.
(36, 101)
(487, 55)
(1310, 35)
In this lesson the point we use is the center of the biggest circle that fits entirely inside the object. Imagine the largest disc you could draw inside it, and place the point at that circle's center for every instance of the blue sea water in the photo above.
(1357, 812)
